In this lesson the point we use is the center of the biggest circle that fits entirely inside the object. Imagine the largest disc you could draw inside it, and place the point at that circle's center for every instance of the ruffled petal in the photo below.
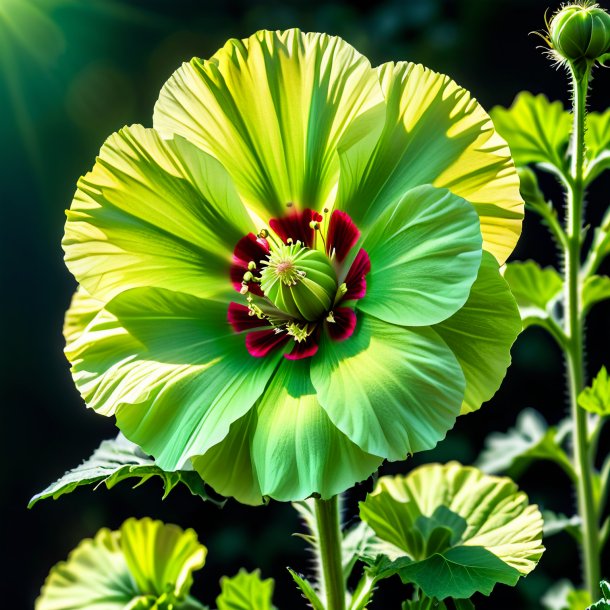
(272, 109)
(249, 248)
(240, 318)
(261, 343)
(393, 391)
(425, 254)
(296, 226)
(170, 368)
(344, 325)
(481, 334)
(436, 133)
(342, 235)
(154, 213)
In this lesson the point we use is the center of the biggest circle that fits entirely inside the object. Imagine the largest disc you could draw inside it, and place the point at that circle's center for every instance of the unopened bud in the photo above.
(580, 32)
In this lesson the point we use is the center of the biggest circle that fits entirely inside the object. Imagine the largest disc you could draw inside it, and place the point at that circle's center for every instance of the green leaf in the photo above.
(272, 109)
(536, 290)
(596, 289)
(596, 398)
(604, 602)
(391, 390)
(425, 254)
(481, 334)
(597, 142)
(537, 131)
(307, 589)
(117, 460)
(447, 528)
(554, 523)
(245, 591)
(531, 439)
(435, 133)
(563, 596)
(144, 565)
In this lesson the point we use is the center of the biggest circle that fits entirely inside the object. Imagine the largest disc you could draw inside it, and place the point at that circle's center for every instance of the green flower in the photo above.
(145, 565)
(294, 275)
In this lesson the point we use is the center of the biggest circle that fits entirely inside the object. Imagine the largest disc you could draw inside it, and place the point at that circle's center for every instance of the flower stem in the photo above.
(573, 326)
(329, 532)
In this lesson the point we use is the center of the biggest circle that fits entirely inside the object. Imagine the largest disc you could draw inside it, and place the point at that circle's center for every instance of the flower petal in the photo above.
(343, 326)
(296, 449)
(240, 319)
(154, 213)
(355, 279)
(391, 390)
(171, 369)
(435, 133)
(482, 332)
(342, 235)
(272, 109)
(261, 343)
(425, 253)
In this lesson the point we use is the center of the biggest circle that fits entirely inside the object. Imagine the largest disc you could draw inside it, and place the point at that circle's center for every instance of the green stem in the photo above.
(573, 328)
(329, 532)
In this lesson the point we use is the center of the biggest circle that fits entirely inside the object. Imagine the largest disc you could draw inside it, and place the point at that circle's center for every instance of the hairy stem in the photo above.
(573, 327)
(329, 532)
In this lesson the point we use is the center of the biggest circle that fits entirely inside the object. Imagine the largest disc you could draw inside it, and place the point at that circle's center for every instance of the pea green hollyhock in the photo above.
(145, 565)
(294, 275)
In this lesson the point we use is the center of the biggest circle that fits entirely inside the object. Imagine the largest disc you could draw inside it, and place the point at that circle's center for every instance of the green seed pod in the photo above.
(580, 32)
(299, 281)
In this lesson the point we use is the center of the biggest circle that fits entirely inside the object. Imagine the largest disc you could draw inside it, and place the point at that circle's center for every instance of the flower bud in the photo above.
(580, 32)
(299, 281)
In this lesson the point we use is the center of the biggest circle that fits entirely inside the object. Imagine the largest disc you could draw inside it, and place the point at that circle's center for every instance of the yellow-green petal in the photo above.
(170, 368)
(482, 333)
(287, 448)
(272, 109)
(425, 253)
(391, 390)
(436, 133)
(154, 212)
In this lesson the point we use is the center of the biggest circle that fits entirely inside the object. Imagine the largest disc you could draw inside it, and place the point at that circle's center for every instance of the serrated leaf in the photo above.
(531, 439)
(535, 289)
(604, 602)
(537, 130)
(117, 460)
(444, 529)
(596, 289)
(245, 591)
(596, 397)
(146, 565)
(307, 589)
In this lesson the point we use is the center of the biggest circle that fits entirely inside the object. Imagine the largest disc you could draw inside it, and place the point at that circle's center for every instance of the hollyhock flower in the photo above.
(294, 275)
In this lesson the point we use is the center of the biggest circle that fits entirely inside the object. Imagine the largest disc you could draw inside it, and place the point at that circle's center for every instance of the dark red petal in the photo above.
(355, 279)
(240, 319)
(303, 349)
(248, 248)
(342, 235)
(261, 342)
(344, 325)
(296, 226)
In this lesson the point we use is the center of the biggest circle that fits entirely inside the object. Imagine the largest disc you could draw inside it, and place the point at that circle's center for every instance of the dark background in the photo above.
(71, 72)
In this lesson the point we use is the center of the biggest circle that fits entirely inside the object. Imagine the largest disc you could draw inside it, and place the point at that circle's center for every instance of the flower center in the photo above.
(299, 285)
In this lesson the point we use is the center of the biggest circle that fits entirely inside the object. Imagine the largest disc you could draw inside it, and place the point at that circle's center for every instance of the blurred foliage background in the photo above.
(73, 71)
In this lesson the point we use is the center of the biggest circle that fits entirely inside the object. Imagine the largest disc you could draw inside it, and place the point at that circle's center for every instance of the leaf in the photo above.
(554, 523)
(536, 290)
(144, 565)
(604, 602)
(595, 290)
(444, 529)
(597, 142)
(563, 596)
(117, 460)
(531, 439)
(537, 131)
(308, 591)
(596, 397)
(245, 591)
